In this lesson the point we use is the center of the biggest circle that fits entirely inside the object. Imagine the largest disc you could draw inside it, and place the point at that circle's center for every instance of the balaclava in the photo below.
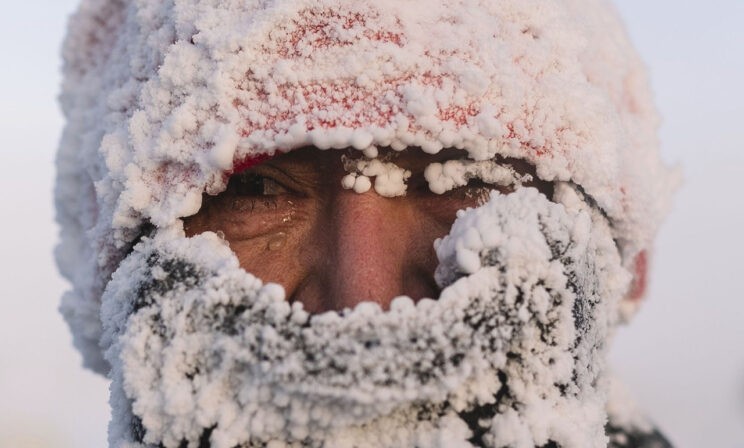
(165, 100)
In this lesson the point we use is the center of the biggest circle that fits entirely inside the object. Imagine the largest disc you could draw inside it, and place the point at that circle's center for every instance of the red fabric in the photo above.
(250, 161)
(640, 277)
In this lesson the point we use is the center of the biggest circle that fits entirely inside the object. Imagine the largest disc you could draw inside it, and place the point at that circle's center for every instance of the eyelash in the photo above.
(251, 184)
(421, 186)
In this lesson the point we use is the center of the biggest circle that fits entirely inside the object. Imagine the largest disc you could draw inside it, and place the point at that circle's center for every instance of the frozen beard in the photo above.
(510, 354)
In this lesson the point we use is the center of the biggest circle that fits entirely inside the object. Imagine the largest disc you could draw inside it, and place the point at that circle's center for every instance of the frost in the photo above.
(623, 411)
(160, 99)
(457, 173)
(198, 346)
(390, 179)
(163, 100)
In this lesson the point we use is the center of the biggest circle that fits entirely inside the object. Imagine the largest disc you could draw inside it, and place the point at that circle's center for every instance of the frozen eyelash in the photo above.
(443, 177)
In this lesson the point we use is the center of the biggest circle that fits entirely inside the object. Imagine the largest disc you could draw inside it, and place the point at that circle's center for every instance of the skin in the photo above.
(289, 221)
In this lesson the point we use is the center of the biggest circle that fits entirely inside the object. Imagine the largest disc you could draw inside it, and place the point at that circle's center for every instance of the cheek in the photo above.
(277, 258)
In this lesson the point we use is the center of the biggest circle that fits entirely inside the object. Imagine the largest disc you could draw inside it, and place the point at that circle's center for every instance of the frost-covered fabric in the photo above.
(163, 99)
(628, 426)
(510, 355)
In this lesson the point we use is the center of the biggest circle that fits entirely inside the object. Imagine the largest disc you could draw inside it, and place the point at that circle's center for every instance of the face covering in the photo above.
(511, 354)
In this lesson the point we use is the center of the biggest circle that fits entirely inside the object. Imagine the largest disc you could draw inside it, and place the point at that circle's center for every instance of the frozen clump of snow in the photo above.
(390, 179)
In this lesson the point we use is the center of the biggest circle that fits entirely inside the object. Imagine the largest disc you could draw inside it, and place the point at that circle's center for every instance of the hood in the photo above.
(164, 101)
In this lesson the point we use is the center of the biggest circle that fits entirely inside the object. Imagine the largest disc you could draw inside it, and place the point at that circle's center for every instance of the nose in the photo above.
(377, 251)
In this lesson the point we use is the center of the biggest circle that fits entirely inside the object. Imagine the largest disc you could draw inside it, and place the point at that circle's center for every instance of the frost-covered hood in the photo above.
(164, 100)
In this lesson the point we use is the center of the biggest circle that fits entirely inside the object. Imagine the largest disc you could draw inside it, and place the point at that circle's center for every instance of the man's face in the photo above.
(290, 221)
(526, 288)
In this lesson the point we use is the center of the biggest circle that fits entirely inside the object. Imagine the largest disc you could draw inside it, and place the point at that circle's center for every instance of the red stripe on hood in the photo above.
(250, 161)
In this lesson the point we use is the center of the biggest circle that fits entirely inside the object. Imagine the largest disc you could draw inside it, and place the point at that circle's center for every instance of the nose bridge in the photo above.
(368, 253)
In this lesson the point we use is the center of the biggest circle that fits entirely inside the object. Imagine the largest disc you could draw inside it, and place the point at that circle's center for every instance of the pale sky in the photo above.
(683, 356)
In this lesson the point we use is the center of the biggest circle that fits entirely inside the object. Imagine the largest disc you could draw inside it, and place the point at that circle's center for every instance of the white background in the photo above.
(683, 355)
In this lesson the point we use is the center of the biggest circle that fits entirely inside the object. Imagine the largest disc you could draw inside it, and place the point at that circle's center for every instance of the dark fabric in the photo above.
(625, 438)
(619, 437)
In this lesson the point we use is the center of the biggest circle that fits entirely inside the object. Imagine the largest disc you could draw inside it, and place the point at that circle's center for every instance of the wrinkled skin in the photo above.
(289, 221)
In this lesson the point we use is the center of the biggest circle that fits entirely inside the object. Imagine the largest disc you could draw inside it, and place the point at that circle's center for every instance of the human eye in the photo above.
(258, 191)
(449, 185)
(459, 177)
(255, 184)
(476, 191)
(256, 202)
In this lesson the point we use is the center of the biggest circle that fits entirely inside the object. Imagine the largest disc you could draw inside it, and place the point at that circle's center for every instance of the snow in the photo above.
(390, 179)
(162, 100)
(195, 341)
(457, 173)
